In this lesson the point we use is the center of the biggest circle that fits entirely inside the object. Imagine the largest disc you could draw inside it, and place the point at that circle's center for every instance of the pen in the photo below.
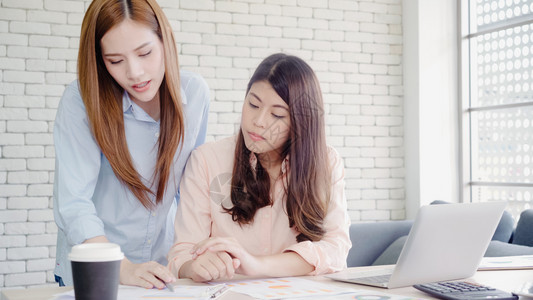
(218, 291)
(168, 285)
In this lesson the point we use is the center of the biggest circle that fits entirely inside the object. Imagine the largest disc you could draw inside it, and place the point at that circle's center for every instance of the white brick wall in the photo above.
(354, 46)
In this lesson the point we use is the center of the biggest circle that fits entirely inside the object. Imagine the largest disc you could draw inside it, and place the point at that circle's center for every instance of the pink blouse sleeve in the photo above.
(193, 217)
(329, 254)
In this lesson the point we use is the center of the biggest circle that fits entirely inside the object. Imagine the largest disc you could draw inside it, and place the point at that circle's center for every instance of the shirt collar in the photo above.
(126, 102)
(183, 95)
(284, 163)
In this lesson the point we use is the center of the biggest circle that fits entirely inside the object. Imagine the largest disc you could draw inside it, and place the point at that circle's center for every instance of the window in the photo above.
(497, 57)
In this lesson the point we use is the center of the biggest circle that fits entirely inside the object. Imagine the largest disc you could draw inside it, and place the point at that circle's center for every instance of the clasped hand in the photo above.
(220, 258)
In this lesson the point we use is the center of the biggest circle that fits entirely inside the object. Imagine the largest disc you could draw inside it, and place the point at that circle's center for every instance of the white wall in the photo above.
(431, 81)
(354, 46)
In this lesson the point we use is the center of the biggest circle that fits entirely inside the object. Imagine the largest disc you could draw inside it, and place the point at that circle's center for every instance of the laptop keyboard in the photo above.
(375, 279)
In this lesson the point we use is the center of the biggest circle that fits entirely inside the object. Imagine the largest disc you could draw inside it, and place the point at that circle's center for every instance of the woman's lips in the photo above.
(141, 87)
(255, 137)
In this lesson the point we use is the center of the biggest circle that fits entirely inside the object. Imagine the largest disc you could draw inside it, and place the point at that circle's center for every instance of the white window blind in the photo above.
(499, 108)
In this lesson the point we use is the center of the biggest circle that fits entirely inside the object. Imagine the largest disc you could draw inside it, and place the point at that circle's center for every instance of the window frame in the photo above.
(467, 32)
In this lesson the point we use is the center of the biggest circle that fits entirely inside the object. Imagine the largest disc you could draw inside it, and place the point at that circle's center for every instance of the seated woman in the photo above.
(269, 202)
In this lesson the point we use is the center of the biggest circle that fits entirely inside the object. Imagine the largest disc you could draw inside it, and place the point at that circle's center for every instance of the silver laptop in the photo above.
(446, 242)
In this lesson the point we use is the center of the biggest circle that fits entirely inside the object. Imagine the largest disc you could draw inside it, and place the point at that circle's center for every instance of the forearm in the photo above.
(97, 239)
(284, 264)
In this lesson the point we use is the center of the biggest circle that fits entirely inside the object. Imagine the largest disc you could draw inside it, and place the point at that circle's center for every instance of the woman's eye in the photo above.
(253, 105)
(115, 62)
(278, 116)
(147, 53)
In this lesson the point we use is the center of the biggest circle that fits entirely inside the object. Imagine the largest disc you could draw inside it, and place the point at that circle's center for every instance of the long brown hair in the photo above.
(102, 96)
(308, 184)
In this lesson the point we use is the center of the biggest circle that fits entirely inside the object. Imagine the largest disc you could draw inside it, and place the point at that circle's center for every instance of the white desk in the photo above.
(506, 280)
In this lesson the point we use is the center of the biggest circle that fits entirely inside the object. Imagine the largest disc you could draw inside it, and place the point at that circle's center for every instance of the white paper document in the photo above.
(299, 288)
(506, 263)
(180, 292)
(293, 288)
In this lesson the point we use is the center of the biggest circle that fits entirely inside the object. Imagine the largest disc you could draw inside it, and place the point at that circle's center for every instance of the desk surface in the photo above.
(506, 280)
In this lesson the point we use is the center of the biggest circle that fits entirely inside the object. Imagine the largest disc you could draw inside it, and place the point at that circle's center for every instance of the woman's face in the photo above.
(133, 55)
(265, 121)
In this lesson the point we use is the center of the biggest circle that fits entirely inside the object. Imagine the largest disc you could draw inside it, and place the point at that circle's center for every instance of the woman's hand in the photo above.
(249, 265)
(210, 266)
(147, 275)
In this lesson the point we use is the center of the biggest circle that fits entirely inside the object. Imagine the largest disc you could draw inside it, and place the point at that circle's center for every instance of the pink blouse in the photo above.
(205, 185)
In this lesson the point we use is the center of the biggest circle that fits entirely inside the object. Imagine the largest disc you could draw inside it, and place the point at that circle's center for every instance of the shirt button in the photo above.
(149, 241)
(153, 214)
(157, 134)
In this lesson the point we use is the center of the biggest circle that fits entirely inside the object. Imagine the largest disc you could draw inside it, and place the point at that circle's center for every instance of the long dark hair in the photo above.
(102, 96)
(308, 184)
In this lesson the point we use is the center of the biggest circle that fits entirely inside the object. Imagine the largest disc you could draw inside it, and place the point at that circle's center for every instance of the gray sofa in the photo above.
(381, 243)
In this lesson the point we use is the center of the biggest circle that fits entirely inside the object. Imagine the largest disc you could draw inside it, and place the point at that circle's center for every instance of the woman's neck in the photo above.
(151, 107)
(272, 164)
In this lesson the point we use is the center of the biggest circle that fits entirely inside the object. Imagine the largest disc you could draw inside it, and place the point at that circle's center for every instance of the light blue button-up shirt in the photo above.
(90, 201)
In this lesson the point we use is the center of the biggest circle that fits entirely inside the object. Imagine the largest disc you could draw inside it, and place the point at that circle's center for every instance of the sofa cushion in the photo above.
(391, 254)
(505, 228)
(369, 240)
(498, 248)
(524, 229)
(495, 248)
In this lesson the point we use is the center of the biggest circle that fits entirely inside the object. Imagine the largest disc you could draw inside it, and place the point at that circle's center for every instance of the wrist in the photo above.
(124, 264)
(97, 239)
(262, 266)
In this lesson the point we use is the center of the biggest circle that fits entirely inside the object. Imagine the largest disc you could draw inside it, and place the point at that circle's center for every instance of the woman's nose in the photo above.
(260, 119)
(135, 69)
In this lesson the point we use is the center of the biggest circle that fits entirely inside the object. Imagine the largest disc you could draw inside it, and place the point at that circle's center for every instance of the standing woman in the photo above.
(269, 202)
(123, 133)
